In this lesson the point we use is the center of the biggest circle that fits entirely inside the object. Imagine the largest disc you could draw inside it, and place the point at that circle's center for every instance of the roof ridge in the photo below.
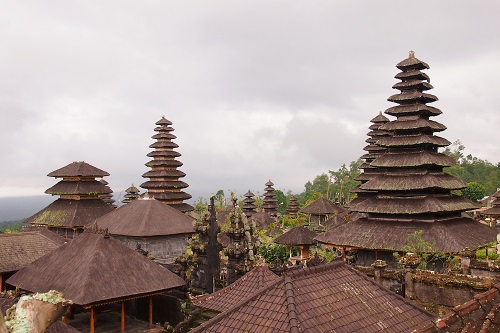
(290, 305)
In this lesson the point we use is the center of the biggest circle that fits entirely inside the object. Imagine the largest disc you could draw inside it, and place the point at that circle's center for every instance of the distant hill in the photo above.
(19, 208)
(11, 225)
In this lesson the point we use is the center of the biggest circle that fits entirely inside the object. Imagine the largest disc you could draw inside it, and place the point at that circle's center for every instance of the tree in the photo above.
(344, 181)
(281, 200)
(474, 191)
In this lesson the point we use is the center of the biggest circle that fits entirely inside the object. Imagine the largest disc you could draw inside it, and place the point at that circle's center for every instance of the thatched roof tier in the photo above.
(146, 218)
(450, 236)
(413, 124)
(380, 118)
(412, 63)
(93, 269)
(365, 165)
(78, 169)
(374, 148)
(413, 182)
(413, 75)
(326, 298)
(297, 236)
(413, 109)
(164, 135)
(164, 163)
(82, 187)
(164, 154)
(322, 206)
(173, 196)
(413, 84)
(414, 205)
(413, 159)
(410, 97)
(377, 132)
(224, 299)
(163, 173)
(492, 211)
(164, 144)
(161, 184)
(70, 213)
(413, 141)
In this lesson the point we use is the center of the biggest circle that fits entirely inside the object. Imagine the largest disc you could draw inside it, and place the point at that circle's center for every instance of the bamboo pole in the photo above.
(150, 310)
(122, 319)
(92, 319)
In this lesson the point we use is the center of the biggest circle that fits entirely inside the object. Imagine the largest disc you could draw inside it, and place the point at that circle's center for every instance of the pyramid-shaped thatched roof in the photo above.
(94, 268)
(146, 218)
(78, 169)
(297, 236)
(322, 206)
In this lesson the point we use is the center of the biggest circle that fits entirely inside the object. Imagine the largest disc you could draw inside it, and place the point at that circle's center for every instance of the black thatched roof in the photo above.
(146, 218)
(78, 169)
(322, 206)
(94, 268)
(66, 213)
(297, 236)
(448, 236)
(80, 187)
(22, 248)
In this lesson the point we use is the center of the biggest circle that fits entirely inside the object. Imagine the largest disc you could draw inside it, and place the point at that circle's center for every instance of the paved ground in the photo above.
(107, 323)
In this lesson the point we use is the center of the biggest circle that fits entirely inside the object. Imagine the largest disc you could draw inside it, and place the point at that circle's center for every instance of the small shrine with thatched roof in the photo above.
(321, 210)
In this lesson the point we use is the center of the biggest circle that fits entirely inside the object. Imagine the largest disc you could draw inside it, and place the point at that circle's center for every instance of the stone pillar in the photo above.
(378, 268)
(465, 259)
(410, 262)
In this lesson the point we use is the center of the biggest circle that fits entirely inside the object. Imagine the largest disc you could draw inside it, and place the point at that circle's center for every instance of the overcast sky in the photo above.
(256, 90)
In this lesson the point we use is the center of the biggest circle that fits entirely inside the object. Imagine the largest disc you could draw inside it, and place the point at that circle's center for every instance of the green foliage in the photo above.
(317, 188)
(343, 182)
(282, 201)
(11, 226)
(474, 191)
(472, 169)
(273, 251)
(426, 252)
(492, 253)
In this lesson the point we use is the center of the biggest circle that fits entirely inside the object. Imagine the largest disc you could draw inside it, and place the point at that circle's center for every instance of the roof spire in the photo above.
(412, 54)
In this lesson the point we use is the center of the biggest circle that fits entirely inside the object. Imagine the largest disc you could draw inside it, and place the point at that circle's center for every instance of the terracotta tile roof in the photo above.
(449, 236)
(327, 298)
(22, 248)
(258, 278)
(297, 236)
(78, 169)
(93, 269)
(70, 213)
(146, 218)
(322, 206)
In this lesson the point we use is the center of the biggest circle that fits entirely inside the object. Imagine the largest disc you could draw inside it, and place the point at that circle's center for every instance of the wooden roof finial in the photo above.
(412, 54)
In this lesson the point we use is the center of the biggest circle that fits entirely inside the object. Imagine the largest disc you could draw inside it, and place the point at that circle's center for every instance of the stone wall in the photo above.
(164, 249)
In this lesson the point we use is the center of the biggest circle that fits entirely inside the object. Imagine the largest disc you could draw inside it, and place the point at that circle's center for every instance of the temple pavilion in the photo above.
(413, 194)
(322, 210)
(96, 271)
(80, 200)
(131, 194)
(164, 182)
(494, 211)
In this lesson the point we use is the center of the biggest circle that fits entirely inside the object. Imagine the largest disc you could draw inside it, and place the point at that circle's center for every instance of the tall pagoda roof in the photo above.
(78, 169)
(410, 191)
(146, 218)
(326, 298)
(93, 269)
(164, 183)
